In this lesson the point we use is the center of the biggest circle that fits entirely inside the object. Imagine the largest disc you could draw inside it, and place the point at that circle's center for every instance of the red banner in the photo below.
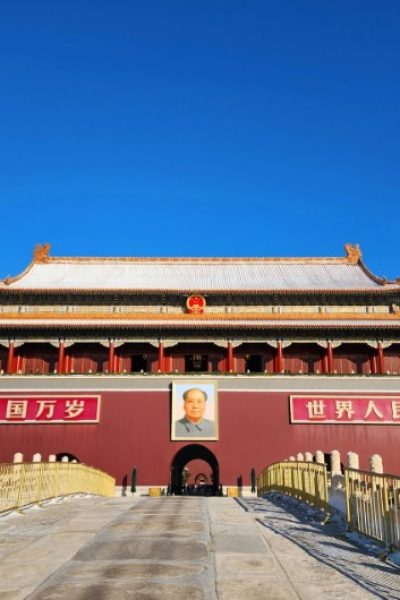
(345, 410)
(49, 409)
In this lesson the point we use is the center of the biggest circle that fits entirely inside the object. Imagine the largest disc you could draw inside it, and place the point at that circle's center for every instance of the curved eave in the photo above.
(10, 280)
(380, 280)
(388, 287)
(198, 326)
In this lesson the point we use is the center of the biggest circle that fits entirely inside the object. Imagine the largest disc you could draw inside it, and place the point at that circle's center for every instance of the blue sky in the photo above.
(223, 127)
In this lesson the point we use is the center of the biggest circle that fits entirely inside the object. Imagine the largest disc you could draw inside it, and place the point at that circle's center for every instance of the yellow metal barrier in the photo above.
(305, 481)
(373, 505)
(29, 483)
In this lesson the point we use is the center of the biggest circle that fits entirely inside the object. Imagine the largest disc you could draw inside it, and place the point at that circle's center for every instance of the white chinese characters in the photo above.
(345, 409)
(49, 409)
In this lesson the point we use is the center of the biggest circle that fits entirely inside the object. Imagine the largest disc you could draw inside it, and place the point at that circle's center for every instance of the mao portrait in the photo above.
(194, 414)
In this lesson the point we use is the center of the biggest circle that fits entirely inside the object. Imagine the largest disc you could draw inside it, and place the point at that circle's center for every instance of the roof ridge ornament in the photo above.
(353, 252)
(41, 253)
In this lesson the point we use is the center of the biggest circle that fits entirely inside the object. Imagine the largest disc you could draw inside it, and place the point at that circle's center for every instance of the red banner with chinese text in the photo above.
(49, 409)
(366, 410)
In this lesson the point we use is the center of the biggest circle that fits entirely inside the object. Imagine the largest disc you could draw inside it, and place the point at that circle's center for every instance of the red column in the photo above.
(161, 356)
(111, 357)
(373, 365)
(381, 364)
(329, 357)
(230, 365)
(61, 357)
(10, 358)
(279, 358)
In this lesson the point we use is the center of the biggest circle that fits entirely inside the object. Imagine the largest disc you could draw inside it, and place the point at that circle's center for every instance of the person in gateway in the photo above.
(193, 423)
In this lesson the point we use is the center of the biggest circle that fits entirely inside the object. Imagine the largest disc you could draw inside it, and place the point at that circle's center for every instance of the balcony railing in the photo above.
(200, 373)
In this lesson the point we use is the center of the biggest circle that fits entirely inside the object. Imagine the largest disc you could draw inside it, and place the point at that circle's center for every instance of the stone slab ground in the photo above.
(175, 548)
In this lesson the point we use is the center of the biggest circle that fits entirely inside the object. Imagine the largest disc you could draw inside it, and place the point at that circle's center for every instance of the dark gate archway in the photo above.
(185, 455)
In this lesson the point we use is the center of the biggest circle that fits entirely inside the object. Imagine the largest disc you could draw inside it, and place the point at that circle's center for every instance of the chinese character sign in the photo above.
(49, 409)
(368, 410)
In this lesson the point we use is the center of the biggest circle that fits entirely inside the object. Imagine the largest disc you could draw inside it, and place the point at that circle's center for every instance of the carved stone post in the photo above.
(353, 460)
(300, 457)
(18, 458)
(335, 463)
(308, 456)
(376, 463)
(319, 457)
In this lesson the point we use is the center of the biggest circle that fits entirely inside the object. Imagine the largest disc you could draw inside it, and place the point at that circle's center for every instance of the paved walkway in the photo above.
(175, 548)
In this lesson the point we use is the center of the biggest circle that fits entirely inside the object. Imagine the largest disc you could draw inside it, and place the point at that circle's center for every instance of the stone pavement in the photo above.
(285, 519)
(175, 548)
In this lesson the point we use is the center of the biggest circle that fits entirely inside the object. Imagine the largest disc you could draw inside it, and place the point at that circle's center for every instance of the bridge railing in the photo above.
(373, 505)
(371, 500)
(23, 484)
(302, 480)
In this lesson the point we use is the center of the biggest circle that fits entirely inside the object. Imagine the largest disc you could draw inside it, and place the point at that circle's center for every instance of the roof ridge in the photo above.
(195, 259)
(41, 255)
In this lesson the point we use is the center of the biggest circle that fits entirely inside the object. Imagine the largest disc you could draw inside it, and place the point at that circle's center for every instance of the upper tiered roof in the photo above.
(197, 274)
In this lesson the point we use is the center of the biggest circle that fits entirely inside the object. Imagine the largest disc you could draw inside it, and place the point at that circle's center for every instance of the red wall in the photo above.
(134, 429)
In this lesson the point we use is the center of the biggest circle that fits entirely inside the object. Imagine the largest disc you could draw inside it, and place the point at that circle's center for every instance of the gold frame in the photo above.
(176, 398)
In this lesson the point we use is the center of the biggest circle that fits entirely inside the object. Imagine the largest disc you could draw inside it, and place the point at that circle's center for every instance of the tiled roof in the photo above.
(197, 274)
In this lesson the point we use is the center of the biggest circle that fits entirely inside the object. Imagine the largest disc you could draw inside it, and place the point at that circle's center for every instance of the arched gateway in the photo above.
(187, 454)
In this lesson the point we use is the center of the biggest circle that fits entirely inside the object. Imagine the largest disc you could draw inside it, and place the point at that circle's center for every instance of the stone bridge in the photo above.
(184, 548)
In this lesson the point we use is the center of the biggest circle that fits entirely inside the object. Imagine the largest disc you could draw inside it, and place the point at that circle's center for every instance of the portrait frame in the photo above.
(211, 414)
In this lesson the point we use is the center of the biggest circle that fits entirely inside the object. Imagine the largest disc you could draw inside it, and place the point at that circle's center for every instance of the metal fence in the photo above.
(373, 505)
(305, 481)
(23, 484)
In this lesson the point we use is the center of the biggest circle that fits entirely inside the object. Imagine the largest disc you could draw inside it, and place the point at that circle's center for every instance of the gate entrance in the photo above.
(181, 459)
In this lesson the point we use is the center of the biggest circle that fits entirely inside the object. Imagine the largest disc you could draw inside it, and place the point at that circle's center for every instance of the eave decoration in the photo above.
(353, 253)
(41, 253)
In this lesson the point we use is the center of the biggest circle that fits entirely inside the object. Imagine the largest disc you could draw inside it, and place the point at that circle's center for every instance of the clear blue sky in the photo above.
(210, 127)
